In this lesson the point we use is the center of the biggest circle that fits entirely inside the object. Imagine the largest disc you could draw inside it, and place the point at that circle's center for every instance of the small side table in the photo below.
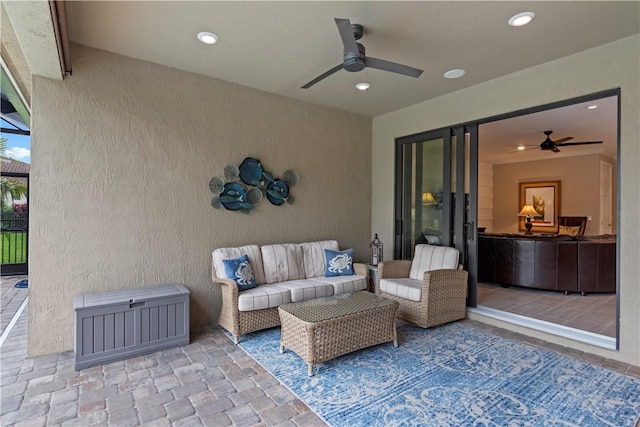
(373, 279)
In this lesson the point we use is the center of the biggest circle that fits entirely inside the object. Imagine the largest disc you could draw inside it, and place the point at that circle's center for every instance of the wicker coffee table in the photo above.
(325, 328)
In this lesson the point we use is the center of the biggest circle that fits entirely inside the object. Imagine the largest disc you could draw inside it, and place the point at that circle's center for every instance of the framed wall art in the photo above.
(544, 196)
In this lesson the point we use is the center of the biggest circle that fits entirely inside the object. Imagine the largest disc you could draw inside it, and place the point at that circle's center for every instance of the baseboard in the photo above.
(579, 335)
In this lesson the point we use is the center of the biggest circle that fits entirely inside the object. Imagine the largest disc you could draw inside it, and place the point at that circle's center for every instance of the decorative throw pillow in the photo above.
(569, 231)
(239, 269)
(338, 263)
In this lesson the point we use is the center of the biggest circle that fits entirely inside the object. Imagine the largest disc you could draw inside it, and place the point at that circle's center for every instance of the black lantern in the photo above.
(376, 250)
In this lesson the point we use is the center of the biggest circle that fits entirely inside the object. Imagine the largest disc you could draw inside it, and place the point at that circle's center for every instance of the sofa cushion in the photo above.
(346, 284)
(306, 289)
(252, 252)
(266, 296)
(282, 262)
(428, 258)
(410, 289)
(239, 270)
(339, 263)
(313, 256)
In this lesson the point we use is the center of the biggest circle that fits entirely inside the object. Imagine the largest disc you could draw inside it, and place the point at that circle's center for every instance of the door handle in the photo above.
(471, 230)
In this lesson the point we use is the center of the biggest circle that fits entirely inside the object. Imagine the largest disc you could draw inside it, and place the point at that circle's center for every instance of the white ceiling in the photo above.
(498, 140)
(279, 46)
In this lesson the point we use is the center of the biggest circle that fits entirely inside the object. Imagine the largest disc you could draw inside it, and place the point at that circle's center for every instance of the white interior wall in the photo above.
(485, 196)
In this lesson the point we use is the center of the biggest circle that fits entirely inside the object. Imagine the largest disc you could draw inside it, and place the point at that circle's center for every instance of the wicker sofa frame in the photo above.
(242, 322)
(444, 294)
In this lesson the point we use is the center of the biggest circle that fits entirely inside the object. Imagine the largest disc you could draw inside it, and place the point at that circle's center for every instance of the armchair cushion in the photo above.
(428, 258)
(338, 263)
(239, 270)
(313, 256)
(410, 289)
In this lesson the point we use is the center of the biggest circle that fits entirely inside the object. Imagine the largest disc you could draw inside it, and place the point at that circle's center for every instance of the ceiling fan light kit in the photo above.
(364, 86)
(354, 56)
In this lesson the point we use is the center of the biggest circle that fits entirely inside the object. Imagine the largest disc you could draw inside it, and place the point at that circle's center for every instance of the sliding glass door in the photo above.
(432, 168)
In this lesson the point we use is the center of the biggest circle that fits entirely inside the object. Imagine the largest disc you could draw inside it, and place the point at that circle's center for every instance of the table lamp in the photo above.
(528, 211)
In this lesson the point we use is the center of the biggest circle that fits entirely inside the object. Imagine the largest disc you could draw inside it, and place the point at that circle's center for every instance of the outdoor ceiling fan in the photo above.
(550, 145)
(355, 58)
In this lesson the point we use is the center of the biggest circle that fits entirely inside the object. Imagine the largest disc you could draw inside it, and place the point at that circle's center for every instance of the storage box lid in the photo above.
(131, 295)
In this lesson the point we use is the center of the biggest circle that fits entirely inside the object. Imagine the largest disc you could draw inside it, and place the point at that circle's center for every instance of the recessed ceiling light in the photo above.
(521, 19)
(207, 37)
(592, 107)
(363, 86)
(520, 147)
(454, 74)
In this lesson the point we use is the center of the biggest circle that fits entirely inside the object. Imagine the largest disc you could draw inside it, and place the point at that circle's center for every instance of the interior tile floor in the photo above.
(592, 312)
(210, 382)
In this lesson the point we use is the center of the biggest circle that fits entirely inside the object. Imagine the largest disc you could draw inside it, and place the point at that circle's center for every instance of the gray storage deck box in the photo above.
(120, 324)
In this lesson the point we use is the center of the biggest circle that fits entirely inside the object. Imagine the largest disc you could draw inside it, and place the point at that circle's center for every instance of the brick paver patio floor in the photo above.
(210, 382)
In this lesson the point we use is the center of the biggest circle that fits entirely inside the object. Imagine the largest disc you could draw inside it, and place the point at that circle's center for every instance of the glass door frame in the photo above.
(400, 194)
(458, 230)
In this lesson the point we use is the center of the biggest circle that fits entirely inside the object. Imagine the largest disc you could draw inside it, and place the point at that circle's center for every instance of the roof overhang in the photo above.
(35, 30)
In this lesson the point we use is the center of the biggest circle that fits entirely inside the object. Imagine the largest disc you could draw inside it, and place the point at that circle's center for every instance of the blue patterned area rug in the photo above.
(454, 375)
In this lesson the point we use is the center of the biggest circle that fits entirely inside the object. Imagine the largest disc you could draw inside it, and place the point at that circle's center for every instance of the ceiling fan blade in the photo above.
(561, 140)
(347, 36)
(322, 76)
(555, 150)
(579, 143)
(381, 64)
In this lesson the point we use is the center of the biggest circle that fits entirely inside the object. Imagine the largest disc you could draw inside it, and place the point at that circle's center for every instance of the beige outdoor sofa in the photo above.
(284, 273)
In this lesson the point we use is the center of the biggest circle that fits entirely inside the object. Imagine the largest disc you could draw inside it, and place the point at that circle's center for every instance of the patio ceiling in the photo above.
(278, 46)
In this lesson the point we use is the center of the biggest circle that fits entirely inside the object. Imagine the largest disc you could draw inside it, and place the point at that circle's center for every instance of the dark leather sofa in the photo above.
(559, 263)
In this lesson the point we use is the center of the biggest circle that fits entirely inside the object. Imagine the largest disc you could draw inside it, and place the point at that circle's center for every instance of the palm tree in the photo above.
(10, 189)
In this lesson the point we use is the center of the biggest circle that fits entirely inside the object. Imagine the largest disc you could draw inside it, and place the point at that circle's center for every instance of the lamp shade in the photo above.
(528, 210)
(428, 198)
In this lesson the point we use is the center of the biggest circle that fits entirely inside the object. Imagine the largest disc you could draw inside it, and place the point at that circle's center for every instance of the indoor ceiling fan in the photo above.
(355, 58)
(550, 145)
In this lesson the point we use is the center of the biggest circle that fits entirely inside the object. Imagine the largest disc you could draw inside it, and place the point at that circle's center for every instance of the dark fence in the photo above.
(14, 226)
(14, 221)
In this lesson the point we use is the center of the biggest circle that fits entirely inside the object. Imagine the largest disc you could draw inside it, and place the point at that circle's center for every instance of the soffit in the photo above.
(13, 57)
(33, 27)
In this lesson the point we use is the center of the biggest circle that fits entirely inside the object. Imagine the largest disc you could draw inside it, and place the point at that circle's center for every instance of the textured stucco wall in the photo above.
(122, 153)
(609, 66)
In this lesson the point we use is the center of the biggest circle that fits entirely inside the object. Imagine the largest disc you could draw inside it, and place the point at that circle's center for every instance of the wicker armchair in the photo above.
(440, 297)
